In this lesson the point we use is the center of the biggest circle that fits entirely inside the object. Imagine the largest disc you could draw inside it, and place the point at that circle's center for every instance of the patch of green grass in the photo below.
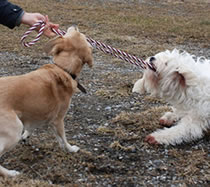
(205, 22)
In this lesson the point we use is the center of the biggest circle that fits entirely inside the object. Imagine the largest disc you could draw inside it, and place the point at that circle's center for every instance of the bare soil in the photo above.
(109, 123)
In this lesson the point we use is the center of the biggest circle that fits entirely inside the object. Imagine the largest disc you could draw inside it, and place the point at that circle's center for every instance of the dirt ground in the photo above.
(109, 123)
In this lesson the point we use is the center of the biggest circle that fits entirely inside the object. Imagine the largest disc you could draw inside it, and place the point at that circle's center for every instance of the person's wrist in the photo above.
(25, 19)
(19, 19)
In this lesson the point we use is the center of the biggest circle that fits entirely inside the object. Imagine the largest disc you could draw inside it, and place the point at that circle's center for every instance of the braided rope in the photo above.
(95, 44)
(34, 27)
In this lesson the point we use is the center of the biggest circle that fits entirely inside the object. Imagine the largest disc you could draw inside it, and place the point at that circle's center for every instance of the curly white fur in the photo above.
(183, 81)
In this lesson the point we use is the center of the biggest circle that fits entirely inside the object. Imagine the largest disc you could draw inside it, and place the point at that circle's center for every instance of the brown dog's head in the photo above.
(71, 51)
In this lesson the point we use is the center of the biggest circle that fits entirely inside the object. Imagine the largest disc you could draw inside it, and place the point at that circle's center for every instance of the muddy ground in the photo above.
(109, 123)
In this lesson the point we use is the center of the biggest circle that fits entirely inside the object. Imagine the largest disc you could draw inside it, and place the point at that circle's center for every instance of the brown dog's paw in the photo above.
(151, 140)
(166, 123)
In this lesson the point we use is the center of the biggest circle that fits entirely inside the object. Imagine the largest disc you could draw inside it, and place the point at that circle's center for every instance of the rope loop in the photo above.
(40, 24)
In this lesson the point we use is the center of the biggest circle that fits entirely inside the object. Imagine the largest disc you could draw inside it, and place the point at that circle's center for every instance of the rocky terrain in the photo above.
(109, 123)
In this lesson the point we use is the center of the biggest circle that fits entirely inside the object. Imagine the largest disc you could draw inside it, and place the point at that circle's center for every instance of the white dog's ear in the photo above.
(54, 46)
(179, 78)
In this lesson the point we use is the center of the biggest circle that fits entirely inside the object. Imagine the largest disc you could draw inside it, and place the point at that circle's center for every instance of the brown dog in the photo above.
(43, 96)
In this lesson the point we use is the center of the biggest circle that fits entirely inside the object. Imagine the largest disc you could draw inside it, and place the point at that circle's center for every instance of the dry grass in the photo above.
(134, 27)
(118, 146)
(149, 119)
(113, 151)
(189, 164)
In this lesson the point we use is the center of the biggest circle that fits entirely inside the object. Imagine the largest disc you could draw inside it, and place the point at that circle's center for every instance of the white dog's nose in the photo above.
(151, 59)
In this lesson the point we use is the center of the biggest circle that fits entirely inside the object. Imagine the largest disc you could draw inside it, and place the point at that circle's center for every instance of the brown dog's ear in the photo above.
(89, 61)
(54, 46)
(89, 58)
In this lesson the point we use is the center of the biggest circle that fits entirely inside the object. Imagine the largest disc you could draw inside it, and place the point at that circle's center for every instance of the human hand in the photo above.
(48, 28)
(32, 18)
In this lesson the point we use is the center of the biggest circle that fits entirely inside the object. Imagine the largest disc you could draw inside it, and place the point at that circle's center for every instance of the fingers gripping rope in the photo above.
(95, 44)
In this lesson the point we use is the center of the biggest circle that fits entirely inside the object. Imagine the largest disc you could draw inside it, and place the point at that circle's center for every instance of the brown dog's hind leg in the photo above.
(10, 133)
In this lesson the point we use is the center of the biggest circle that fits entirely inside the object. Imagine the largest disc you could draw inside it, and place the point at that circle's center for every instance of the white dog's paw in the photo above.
(160, 137)
(73, 148)
(12, 173)
(166, 122)
(168, 119)
(156, 140)
(163, 137)
(151, 139)
(139, 87)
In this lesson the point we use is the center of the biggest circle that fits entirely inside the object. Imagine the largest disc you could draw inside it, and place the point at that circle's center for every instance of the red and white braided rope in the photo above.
(40, 24)
(95, 44)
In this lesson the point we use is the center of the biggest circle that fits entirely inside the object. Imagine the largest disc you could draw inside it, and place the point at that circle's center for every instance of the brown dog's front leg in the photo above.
(58, 127)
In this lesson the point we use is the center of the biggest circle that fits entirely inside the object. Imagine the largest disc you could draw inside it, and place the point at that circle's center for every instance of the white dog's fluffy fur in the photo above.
(183, 81)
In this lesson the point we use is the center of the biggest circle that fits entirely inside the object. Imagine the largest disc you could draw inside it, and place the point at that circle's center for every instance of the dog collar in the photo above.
(73, 76)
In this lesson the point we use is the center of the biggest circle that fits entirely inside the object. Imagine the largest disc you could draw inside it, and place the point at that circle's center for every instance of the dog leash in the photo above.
(95, 44)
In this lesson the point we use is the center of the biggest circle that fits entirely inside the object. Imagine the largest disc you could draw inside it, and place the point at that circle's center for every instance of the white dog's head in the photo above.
(175, 72)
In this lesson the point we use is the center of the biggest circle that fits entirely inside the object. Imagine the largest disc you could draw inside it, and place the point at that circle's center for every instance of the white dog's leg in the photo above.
(61, 137)
(187, 129)
(139, 86)
(10, 133)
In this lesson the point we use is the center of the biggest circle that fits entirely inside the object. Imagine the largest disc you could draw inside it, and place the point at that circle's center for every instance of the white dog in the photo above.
(184, 82)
